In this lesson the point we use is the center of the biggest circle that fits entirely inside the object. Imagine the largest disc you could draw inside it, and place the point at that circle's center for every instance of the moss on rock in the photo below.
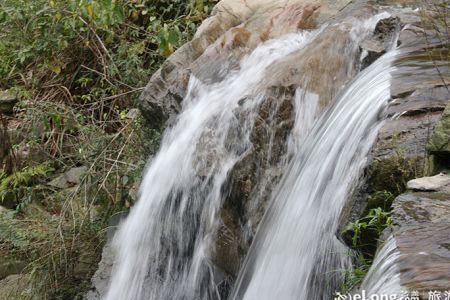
(439, 143)
(392, 173)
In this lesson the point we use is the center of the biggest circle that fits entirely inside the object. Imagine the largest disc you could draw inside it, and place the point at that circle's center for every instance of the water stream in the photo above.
(383, 277)
(163, 248)
(295, 252)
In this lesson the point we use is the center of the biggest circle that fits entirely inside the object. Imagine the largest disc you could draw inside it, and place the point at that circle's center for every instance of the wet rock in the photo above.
(7, 102)
(69, 178)
(440, 182)
(234, 29)
(229, 250)
(420, 101)
(400, 151)
(382, 39)
(406, 136)
(329, 64)
(422, 231)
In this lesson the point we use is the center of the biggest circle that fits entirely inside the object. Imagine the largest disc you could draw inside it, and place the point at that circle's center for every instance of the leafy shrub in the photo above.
(94, 54)
(77, 66)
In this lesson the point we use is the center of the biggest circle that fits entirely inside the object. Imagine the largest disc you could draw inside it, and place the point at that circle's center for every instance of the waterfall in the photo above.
(163, 246)
(295, 253)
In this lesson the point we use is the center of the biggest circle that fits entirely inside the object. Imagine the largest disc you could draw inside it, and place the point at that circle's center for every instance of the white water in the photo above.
(295, 254)
(383, 277)
(163, 247)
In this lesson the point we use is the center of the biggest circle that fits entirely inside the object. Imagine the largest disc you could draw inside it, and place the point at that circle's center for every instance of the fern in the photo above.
(22, 178)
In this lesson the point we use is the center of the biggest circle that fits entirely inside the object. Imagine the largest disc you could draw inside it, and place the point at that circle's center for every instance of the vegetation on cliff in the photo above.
(73, 147)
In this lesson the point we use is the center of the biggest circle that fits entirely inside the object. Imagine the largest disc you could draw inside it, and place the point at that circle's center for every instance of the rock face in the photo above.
(235, 28)
(422, 233)
(418, 103)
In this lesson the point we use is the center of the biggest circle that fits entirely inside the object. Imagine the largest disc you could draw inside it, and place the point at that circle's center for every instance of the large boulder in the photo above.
(234, 29)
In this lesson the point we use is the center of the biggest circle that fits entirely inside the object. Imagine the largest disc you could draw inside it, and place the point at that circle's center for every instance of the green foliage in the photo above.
(56, 269)
(355, 276)
(94, 55)
(77, 66)
(377, 219)
(18, 180)
(24, 176)
(381, 199)
(364, 237)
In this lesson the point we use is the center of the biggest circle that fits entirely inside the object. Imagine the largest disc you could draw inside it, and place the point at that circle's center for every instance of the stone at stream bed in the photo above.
(7, 102)
(69, 178)
(440, 182)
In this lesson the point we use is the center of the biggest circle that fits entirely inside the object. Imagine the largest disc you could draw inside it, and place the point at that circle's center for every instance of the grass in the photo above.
(77, 68)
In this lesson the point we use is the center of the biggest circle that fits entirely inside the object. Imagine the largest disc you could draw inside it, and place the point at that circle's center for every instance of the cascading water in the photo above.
(163, 245)
(383, 277)
(163, 248)
(295, 251)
